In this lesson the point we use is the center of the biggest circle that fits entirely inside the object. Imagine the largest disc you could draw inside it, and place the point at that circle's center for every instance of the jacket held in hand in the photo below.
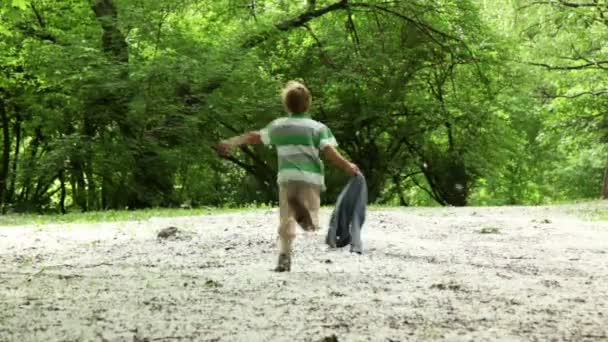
(349, 215)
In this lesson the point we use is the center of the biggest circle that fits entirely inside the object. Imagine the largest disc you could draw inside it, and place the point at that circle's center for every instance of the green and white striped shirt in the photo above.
(298, 140)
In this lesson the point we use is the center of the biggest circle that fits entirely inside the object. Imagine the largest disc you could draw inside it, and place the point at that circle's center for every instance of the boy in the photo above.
(298, 140)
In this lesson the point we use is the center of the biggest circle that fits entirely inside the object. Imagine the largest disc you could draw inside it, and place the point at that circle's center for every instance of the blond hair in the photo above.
(296, 97)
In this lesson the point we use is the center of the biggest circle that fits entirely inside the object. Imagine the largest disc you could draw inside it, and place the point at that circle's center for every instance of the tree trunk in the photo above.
(13, 177)
(448, 179)
(91, 189)
(6, 154)
(113, 40)
(104, 193)
(73, 186)
(152, 182)
(79, 189)
(397, 182)
(63, 191)
(27, 185)
(116, 48)
(605, 185)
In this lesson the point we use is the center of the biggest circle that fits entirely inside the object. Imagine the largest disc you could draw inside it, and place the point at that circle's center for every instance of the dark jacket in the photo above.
(349, 215)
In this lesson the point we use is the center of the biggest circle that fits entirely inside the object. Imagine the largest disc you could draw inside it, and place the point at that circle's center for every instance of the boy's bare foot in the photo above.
(284, 264)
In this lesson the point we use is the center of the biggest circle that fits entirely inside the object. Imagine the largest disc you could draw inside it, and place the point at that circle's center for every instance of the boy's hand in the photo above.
(352, 169)
(222, 148)
(336, 158)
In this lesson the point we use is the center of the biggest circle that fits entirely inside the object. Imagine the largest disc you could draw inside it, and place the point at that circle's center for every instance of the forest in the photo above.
(116, 104)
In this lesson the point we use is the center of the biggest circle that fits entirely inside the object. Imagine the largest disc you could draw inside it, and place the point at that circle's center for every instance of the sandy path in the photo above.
(427, 274)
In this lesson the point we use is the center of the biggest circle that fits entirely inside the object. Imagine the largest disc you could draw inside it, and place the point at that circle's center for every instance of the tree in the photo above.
(109, 104)
(568, 37)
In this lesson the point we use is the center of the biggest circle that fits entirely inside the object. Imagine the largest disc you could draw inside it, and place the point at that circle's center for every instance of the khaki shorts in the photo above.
(299, 202)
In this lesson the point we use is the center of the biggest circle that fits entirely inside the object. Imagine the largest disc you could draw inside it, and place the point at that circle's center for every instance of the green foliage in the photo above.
(115, 104)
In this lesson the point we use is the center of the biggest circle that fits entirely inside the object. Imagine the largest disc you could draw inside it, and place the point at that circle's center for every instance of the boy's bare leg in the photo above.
(301, 212)
(311, 197)
(287, 231)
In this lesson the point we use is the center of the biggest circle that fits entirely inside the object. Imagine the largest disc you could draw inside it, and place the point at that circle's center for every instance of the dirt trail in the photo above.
(471, 274)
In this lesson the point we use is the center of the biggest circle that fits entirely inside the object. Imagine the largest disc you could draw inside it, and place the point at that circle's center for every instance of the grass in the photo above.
(596, 211)
(110, 216)
(591, 210)
(600, 217)
(594, 215)
(125, 215)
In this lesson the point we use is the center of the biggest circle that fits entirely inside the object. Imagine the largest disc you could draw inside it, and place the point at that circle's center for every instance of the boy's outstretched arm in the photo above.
(336, 158)
(249, 138)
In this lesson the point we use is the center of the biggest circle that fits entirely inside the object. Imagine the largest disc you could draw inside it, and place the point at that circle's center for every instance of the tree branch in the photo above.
(38, 16)
(590, 65)
(244, 166)
(296, 22)
(591, 93)
(431, 193)
(309, 15)
(421, 26)
(353, 29)
(42, 35)
(265, 168)
(430, 32)
(324, 56)
(584, 4)
(562, 3)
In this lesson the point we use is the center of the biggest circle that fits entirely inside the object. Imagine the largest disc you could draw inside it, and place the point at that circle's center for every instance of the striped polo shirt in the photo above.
(298, 140)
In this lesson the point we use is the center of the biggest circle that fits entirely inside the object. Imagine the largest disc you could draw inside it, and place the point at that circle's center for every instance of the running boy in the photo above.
(298, 140)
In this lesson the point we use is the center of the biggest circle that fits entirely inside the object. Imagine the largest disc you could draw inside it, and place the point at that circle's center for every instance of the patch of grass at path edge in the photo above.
(129, 215)
(111, 215)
